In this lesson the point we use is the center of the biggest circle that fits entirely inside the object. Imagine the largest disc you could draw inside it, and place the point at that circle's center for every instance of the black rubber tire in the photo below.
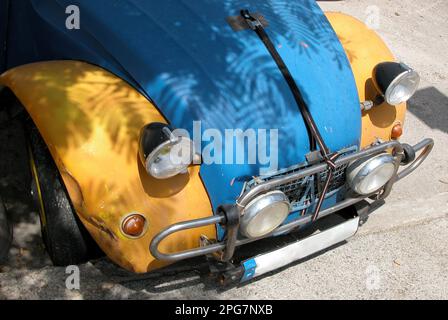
(5, 233)
(64, 236)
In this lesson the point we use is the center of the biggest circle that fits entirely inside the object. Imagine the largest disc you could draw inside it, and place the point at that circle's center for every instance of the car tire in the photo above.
(5, 233)
(65, 238)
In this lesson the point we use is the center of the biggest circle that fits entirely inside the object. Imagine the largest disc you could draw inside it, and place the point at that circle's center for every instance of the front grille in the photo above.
(337, 181)
(302, 192)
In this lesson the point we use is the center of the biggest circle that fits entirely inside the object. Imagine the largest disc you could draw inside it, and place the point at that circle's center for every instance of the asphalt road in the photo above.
(400, 253)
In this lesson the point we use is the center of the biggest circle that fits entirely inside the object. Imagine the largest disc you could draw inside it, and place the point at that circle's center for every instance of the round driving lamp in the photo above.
(164, 154)
(396, 82)
(264, 214)
(367, 176)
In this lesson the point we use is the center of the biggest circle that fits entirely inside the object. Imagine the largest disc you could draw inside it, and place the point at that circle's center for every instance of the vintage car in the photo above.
(112, 93)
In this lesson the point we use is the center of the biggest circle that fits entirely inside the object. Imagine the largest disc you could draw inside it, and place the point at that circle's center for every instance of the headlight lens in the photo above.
(403, 88)
(264, 214)
(367, 176)
(395, 81)
(163, 154)
(170, 159)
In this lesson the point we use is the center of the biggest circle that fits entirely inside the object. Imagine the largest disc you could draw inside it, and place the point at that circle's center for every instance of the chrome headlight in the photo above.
(164, 154)
(395, 81)
(367, 176)
(264, 214)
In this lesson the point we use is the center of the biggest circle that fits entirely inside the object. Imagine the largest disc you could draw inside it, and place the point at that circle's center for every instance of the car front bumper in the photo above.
(228, 216)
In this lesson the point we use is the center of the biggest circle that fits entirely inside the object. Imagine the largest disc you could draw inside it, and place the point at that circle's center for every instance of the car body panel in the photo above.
(90, 120)
(185, 57)
(365, 49)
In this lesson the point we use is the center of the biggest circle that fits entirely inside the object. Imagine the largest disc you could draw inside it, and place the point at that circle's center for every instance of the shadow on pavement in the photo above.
(430, 106)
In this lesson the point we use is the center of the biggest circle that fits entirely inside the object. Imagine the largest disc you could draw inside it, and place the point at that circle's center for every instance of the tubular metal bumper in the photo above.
(226, 248)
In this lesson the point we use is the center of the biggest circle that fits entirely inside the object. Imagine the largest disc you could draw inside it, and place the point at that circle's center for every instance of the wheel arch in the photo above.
(365, 49)
(90, 120)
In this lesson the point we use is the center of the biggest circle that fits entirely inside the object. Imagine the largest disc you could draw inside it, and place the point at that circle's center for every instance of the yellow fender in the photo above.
(365, 49)
(90, 119)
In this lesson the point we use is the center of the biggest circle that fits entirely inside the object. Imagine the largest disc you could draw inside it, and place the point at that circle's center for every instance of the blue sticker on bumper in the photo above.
(249, 269)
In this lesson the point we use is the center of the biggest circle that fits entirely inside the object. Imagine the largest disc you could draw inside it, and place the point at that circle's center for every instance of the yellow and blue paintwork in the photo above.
(179, 61)
(365, 49)
(90, 120)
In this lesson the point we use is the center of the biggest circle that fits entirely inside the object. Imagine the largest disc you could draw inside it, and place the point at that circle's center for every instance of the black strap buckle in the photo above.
(330, 159)
(251, 21)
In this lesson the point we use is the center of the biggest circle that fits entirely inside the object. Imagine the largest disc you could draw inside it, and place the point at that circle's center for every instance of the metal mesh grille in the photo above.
(337, 181)
(295, 191)
(302, 191)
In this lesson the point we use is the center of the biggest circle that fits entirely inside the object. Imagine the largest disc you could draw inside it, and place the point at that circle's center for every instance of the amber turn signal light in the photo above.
(397, 131)
(134, 225)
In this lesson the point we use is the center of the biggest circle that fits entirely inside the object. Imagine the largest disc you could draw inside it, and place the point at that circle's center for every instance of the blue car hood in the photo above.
(185, 57)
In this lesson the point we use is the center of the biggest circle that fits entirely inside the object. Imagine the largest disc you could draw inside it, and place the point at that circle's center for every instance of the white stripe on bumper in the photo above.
(279, 258)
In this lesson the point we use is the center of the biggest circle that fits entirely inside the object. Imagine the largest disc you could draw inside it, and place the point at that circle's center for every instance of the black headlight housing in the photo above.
(396, 82)
(163, 153)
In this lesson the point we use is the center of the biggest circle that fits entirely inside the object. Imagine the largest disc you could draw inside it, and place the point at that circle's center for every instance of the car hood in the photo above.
(185, 57)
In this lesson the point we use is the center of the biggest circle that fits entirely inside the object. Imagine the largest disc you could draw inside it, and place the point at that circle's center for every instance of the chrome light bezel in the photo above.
(257, 205)
(362, 169)
(396, 82)
(388, 75)
(154, 154)
(154, 137)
